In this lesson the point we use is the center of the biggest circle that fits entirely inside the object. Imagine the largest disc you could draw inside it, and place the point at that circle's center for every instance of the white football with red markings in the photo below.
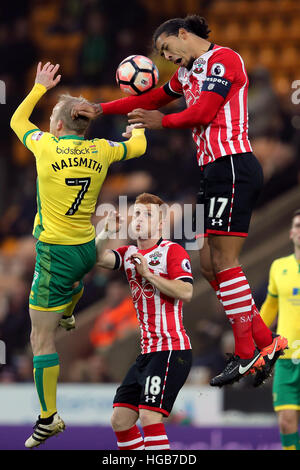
(137, 74)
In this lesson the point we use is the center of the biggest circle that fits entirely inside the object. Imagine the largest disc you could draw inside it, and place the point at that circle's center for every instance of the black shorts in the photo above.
(154, 381)
(229, 189)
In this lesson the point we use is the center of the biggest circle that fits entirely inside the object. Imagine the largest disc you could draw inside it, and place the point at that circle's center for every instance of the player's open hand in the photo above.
(89, 110)
(45, 75)
(141, 264)
(144, 118)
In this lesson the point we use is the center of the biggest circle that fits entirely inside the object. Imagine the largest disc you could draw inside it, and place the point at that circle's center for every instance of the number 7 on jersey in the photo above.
(84, 183)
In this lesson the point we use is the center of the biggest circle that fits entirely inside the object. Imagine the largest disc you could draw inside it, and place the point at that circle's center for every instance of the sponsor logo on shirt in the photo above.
(223, 81)
(186, 265)
(113, 144)
(36, 135)
(198, 66)
(155, 258)
(72, 151)
(218, 69)
(137, 290)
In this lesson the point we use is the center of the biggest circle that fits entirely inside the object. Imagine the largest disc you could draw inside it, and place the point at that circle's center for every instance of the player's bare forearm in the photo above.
(174, 288)
(105, 257)
(153, 99)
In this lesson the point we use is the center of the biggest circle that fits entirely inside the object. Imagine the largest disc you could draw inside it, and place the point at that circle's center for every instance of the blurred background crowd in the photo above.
(88, 38)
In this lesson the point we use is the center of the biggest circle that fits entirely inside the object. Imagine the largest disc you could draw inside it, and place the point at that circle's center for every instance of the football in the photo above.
(136, 74)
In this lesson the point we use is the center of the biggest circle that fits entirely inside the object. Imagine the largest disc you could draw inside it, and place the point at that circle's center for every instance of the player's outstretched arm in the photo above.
(174, 288)
(105, 257)
(201, 113)
(45, 80)
(152, 99)
(214, 92)
(134, 147)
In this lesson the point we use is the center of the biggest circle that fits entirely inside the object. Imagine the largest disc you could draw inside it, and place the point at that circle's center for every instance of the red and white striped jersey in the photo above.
(160, 316)
(219, 70)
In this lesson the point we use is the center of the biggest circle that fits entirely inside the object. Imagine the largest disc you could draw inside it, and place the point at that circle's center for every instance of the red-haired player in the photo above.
(160, 278)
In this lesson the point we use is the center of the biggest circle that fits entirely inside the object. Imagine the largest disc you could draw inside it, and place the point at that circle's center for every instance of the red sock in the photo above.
(236, 298)
(214, 284)
(130, 439)
(261, 333)
(155, 437)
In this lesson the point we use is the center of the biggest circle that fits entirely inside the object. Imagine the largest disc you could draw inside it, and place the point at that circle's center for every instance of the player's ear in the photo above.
(182, 33)
(59, 125)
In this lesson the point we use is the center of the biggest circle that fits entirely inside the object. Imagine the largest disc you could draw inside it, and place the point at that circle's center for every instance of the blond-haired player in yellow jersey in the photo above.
(70, 173)
(283, 301)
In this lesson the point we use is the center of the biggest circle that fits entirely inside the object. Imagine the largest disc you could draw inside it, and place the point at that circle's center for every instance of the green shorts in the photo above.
(57, 268)
(286, 385)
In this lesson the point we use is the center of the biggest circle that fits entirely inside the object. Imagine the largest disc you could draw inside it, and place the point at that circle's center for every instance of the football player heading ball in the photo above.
(214, 83)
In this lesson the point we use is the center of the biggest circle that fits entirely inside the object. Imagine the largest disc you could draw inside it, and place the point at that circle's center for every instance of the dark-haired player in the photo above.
(214, 83)
(160, 278)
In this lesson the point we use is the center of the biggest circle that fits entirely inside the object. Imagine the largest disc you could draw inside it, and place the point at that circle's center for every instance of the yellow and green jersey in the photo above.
(283, 299)
(70, 174)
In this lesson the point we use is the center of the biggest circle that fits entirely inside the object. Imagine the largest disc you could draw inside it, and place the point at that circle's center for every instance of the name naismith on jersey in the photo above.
(76, 161)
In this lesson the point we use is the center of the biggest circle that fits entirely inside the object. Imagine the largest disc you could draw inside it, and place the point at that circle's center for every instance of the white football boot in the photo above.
(43, 431)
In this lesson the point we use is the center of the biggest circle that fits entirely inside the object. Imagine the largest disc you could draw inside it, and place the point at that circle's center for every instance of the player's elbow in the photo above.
(16, 123)
(187, 295)
(205, 118)
(205, 121)
(13, 122)
(102, 262)
(105, 259)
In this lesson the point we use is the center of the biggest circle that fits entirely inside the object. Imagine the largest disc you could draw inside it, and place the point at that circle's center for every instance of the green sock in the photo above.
(290, 441)
(46, 371)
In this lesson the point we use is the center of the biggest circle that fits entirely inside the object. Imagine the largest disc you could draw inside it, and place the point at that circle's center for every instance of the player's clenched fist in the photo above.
(45, 75)
(141, 264)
